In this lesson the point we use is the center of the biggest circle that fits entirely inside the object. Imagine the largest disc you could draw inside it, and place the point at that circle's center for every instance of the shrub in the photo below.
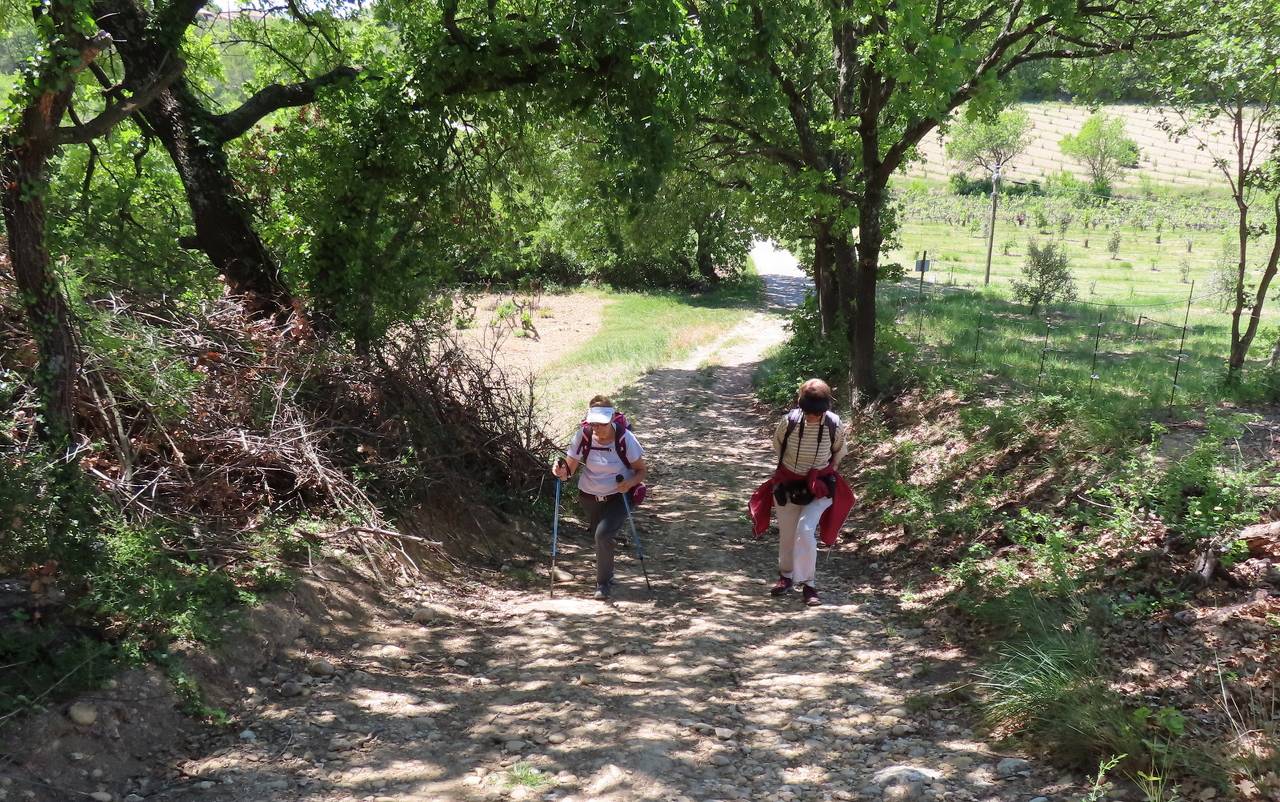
(805, 355)
(1041, 219)
(1113, 245)
(1064, 184)
(962, 184)
(1046, 276)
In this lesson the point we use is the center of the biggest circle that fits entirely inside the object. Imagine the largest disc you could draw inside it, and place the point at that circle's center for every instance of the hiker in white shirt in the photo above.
(612, 463)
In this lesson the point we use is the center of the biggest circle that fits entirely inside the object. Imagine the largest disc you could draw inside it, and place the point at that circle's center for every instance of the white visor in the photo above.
(600, 415)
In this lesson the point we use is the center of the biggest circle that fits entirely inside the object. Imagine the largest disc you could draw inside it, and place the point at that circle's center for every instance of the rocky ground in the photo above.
(703, 689)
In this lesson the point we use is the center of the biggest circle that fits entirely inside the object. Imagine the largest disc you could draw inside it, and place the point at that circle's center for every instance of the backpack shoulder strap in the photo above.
(833, 426)
(620, 441)
(793, 418)
(584, 450)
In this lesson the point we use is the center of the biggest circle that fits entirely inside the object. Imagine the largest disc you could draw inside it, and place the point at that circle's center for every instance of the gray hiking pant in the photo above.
(604, 521)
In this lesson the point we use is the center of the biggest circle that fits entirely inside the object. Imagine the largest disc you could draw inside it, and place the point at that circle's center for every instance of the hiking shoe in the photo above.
(811, 596)
(780, 587)
(602, 593)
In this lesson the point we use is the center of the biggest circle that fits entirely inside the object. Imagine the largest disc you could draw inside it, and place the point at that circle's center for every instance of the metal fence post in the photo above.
(1044, 350)
(1177, 368)
(977, 338)
(920, 304)
(1093, 368)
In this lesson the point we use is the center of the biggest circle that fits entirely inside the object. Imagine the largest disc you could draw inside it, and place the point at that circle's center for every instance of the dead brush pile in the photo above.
(220, 425)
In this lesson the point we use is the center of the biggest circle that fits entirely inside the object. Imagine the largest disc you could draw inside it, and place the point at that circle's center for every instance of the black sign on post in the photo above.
(922, 265)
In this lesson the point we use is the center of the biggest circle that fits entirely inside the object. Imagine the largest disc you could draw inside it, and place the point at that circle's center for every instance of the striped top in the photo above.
(804, 451)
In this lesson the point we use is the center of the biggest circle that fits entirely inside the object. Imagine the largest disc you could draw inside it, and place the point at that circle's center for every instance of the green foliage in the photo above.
(805, 355)
(1047, 684)
(51, 663)
(1046, 277)
(157, 594)
(1064, 184)
(1207, 494)
(116, 215)
(190, 695)
(46, 511)
(990, 143)
(526, 775)
(961, 184)
(1102, 145)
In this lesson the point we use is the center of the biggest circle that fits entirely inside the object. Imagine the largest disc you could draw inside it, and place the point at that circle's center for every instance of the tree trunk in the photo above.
(706, 265)
(223, 222)
(824, 278)
(222, 218)
(1239, 349)
(1260, 297)
(46, 309)
(25, 151)
(863, 289)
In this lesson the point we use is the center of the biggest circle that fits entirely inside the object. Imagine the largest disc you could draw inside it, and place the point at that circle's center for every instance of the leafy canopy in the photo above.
(990, 143)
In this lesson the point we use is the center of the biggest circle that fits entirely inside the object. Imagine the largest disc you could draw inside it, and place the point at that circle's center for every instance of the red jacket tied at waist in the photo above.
(761, 504)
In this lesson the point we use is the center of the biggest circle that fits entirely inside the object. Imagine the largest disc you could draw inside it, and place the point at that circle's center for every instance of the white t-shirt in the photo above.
(599, 471)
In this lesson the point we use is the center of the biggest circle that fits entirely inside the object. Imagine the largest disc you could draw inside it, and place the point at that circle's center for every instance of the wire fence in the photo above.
(1153, 354)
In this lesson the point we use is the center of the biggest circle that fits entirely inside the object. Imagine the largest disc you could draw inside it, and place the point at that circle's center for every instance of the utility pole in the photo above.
(991, 227)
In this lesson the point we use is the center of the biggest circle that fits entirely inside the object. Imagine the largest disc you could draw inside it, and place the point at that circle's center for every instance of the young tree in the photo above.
(1046, 276)
(990, 144)
(1226, 78)
(836, 96)
(1104, 147)
(30, 134)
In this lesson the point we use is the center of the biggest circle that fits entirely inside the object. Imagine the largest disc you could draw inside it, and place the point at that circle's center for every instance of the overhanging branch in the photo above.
(112, 115)
(273, 98)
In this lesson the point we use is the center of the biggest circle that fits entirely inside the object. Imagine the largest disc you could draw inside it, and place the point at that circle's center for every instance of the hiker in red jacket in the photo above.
(813, 499)
(607, 450)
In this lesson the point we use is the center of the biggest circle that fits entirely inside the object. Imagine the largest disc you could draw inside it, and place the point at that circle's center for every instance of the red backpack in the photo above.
(620, 428)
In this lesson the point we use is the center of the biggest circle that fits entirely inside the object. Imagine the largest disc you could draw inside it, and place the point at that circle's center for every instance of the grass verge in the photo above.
(640, 333)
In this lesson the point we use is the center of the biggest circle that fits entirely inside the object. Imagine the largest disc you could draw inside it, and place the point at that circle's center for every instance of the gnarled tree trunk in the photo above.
(224, 227)
(22, 170)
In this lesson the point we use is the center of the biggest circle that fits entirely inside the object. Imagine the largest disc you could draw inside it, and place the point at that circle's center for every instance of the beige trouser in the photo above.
(797, 541)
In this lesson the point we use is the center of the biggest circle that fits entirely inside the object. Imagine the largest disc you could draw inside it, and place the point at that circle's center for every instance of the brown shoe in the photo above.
(780, 587)
(811, 596)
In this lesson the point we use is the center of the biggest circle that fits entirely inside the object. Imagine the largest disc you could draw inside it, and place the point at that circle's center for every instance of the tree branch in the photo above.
(113, 114)
(796, 106)
(273, 98)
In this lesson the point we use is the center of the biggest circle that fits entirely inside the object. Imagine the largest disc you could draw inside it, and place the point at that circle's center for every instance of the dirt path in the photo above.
(706, 689)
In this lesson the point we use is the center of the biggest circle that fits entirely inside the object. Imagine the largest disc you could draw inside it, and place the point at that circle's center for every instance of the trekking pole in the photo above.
(555, 534)
(626, 503)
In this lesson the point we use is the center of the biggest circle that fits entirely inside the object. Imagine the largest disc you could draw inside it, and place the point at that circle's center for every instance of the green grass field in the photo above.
(641, 332)
(1132, 306)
